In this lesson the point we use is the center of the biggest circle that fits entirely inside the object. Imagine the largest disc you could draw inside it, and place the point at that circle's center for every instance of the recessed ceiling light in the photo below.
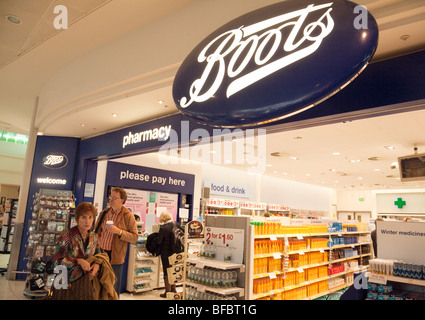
(293, 158)
(405, 37)
(161, 101)
(336, 153)
(83, 125)
(114, 115)
(354, 161)
(390, 147)
(13, 19)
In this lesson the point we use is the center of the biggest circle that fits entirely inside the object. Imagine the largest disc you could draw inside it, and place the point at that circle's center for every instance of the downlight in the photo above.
(13, 19)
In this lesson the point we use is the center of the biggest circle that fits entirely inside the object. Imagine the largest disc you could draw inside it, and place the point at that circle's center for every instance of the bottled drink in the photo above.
(208, 250)
(202, 250)
(234, 277)
(225, 279)
(212, 251)
(217, 279)
(227, 253)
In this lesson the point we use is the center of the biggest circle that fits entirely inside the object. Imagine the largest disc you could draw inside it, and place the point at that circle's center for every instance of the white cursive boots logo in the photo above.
(274, 62)
(55, 161)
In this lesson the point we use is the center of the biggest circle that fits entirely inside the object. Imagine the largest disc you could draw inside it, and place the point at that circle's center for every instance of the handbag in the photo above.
(81, 289)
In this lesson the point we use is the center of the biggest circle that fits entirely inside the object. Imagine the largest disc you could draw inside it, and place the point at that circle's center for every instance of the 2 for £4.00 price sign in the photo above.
(220, 237)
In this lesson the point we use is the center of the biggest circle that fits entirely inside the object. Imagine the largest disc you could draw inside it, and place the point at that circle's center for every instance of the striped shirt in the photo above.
(106, 237)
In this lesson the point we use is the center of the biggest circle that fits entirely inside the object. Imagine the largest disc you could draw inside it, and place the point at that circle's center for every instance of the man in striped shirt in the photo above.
(116, 227)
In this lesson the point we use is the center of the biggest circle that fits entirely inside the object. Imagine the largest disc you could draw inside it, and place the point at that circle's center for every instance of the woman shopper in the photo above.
(77, 250)
(77, 244)
(165, 243)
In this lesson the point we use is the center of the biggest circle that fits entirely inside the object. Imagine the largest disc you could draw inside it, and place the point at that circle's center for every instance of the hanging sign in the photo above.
(275, 62)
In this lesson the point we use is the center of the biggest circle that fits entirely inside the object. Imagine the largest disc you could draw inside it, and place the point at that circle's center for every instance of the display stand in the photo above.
(398, 271)
(213, 278)
(8, 228)
(52, 214)
(143, 269)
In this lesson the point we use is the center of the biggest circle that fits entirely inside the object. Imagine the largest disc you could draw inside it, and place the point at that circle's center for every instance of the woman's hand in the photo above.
(84, 265)
(94, 269)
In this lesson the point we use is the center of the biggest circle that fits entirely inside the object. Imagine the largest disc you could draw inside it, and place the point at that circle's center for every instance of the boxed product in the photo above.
(175, 273)
(176, 258)
(174, 296)
(384, 289)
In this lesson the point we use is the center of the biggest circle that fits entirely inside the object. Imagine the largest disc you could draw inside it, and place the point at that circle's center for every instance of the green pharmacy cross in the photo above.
(400, 203)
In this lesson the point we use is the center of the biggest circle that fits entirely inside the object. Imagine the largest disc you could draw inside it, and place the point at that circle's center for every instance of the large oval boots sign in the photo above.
(275, 62)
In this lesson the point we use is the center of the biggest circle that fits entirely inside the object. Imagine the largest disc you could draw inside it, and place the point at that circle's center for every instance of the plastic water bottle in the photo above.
(234, 277)
(212, 251)
(202, 250)
(225, 279)
(227, 253)
(207, 250)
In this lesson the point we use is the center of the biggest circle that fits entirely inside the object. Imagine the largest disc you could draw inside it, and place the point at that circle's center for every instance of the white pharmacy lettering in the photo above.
(160, 134)
(247, 39)
(52, 160)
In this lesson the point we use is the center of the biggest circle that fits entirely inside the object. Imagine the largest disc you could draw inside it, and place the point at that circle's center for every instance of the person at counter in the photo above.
(116, 227)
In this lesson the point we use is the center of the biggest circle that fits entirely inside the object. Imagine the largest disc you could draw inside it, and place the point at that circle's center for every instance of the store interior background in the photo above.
(82, 84)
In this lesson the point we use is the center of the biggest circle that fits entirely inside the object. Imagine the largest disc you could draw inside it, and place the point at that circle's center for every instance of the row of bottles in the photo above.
(270, 264)
(219, 211)
(193, 294)
(213, 277)
(264, 246)
(208, 250)
(266, 228)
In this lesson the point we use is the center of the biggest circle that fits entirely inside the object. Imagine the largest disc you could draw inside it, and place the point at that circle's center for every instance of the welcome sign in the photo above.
(275, 62)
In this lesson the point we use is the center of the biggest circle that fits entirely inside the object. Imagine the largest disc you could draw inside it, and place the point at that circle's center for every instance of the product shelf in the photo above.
(223, 291)
(307, 235)
(222, 265)
(383, 278)
(306, 283)
(272, 254)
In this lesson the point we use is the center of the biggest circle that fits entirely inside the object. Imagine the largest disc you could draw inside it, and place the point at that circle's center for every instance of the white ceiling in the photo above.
(29, 58)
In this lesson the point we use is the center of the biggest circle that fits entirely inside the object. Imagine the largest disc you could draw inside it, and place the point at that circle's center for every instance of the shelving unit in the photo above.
(301, 265)
(8, 228)
(143, 270)
(279, 210)
(222, 207)
(52, 213)
(202, 263)
(209, 282)
(252, 208)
